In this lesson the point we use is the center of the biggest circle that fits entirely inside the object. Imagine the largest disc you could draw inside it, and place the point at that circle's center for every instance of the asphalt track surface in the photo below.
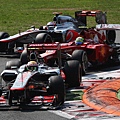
(76, 110)
(72, 110)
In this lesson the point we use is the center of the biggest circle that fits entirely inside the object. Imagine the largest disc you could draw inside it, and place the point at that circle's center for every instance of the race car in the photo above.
(24, 82)
(63, 28)
(91, 51)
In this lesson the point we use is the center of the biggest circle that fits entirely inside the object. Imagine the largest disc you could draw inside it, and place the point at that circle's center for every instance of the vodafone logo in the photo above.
(69, 36)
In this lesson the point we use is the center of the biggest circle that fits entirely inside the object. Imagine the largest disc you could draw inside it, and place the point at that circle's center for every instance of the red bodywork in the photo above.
(95, 40)
(96, 52)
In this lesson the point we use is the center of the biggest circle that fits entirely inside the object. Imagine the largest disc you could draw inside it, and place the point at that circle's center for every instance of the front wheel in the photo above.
(4, 45)
(4, 35)
(10, 97)
(43, 38)
(56, 87)
(72, 70)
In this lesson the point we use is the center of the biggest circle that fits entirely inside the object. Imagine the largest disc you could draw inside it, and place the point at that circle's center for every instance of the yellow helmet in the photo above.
(32, 66)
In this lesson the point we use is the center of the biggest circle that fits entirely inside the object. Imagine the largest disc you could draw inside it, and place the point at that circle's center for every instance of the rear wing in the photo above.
(81, 16)
(44, 46)
(48, 46)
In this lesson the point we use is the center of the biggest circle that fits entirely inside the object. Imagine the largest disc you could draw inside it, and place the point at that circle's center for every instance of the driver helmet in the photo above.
(51, 24)
(32, 66)
(79, 40)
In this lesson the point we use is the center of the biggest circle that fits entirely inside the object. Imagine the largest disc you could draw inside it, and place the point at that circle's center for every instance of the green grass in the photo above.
(74, 94)
(118, 94)
(18, 15)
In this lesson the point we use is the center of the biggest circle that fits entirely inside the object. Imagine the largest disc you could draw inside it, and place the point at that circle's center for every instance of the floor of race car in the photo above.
(99, 99)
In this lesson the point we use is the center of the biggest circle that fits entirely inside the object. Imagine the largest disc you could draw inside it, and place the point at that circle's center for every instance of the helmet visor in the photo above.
(32, 68)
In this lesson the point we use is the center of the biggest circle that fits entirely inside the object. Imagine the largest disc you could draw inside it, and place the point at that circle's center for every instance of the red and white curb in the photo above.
(77, 110)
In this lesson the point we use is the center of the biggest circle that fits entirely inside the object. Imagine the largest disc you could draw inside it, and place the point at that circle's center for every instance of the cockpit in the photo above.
(62, 19)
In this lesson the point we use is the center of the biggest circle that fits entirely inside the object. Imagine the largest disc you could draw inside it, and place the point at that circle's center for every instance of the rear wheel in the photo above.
(81, 56)
(9, 77)
(43, 38)
(12, 65)
(72, 71)
(56, 86)
(111, 36)
(23, 57)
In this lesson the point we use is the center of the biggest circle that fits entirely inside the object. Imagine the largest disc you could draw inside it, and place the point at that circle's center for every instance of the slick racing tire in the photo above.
(1, 85)
(56, 86)
(4, 45)
(9, 46)
(4, 35)
(23, 57)
(43, 38)
(8, 77)
(81, 56)
(10, 97)
(12, 65)
(72, 70)
(111, 36)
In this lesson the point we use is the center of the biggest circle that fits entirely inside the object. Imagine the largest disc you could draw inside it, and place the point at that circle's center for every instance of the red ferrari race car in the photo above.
(88, 50)
(35, 83)
(63, 28)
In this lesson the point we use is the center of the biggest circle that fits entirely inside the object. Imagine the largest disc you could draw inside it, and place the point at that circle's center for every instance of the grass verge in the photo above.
(18, 15)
